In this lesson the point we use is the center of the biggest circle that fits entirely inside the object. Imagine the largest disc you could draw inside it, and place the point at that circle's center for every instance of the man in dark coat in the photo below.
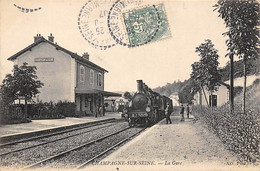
(104, 109)
(182, 112)
(168, 113)
(188, 111)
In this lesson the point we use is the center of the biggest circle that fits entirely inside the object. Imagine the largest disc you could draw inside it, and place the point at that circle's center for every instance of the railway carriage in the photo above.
(146, 107)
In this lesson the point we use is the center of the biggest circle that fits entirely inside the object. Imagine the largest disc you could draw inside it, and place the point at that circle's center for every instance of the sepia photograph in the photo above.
(130, 85)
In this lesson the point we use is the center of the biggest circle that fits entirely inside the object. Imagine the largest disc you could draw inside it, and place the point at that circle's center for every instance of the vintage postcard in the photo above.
(129, 85)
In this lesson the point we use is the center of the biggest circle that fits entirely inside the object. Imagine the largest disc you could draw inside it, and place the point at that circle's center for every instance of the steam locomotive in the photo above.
(146, 107)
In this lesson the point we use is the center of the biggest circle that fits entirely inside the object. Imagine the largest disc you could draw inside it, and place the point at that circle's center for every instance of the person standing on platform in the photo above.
(188, 111)
(100, 110)
(104, 109)
(96, 111)
(168, 113)
(182, 112)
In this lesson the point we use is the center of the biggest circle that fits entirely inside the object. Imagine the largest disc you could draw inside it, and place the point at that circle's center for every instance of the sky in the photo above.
(157, 63)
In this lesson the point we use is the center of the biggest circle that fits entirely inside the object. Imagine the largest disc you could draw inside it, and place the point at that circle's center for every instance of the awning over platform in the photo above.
(95, 91)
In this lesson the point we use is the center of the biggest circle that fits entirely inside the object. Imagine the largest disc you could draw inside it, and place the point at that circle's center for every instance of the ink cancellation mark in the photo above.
(92, 24)
(27, 10)
(115, 25)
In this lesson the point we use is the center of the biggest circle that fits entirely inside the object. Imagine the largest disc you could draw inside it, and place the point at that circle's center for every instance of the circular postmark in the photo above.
(92, 23)
(131, 25)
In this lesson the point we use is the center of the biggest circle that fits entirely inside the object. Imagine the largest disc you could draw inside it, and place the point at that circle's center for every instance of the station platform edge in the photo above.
(43, 126)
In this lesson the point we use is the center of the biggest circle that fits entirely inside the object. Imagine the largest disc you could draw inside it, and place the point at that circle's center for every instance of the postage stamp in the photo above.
(146, 24)
(139, 24)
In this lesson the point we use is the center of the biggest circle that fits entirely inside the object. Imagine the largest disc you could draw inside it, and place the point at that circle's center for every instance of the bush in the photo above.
(52, 110)
(43, 111)
(66, 108)
(238, 131)
(12, 114)
(237, 90)
(15, 113)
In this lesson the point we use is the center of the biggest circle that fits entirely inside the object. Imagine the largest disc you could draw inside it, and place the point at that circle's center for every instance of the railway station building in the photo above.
(219, 97)
(66, 75)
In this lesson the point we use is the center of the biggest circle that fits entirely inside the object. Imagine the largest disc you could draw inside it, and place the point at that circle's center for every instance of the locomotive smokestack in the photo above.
(139, 85)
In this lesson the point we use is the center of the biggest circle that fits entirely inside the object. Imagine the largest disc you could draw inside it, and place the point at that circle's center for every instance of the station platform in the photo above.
(184, 145)
(46, 124)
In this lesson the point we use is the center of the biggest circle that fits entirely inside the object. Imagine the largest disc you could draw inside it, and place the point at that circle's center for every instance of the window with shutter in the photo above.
(99, 79)
(82, 74)
(91, 77)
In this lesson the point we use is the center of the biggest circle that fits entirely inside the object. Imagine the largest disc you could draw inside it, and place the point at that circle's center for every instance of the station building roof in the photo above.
(95, 91)
(72, 54)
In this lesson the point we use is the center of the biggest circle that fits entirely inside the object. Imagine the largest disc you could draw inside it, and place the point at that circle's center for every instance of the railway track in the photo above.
(42, 162)
(31, 152)
(58, 139)
(53, 134)
(83, 165)
(58, 158)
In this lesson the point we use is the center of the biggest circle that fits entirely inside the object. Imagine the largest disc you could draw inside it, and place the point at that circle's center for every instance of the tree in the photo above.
(8, 94)
(198, 79)
(169, 88)
(242, 20)
(205, 72)
(196, 74)
(22, 83)
(186, 92)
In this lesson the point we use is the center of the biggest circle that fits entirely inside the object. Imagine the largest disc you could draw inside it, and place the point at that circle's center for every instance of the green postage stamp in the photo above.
(146, 24)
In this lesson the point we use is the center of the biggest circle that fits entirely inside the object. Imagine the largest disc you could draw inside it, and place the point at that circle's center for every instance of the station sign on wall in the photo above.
(43, 59)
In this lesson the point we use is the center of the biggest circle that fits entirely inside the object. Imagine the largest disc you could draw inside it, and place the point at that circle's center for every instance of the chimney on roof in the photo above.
(37, 37)
(85, 55)
(51, 38)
